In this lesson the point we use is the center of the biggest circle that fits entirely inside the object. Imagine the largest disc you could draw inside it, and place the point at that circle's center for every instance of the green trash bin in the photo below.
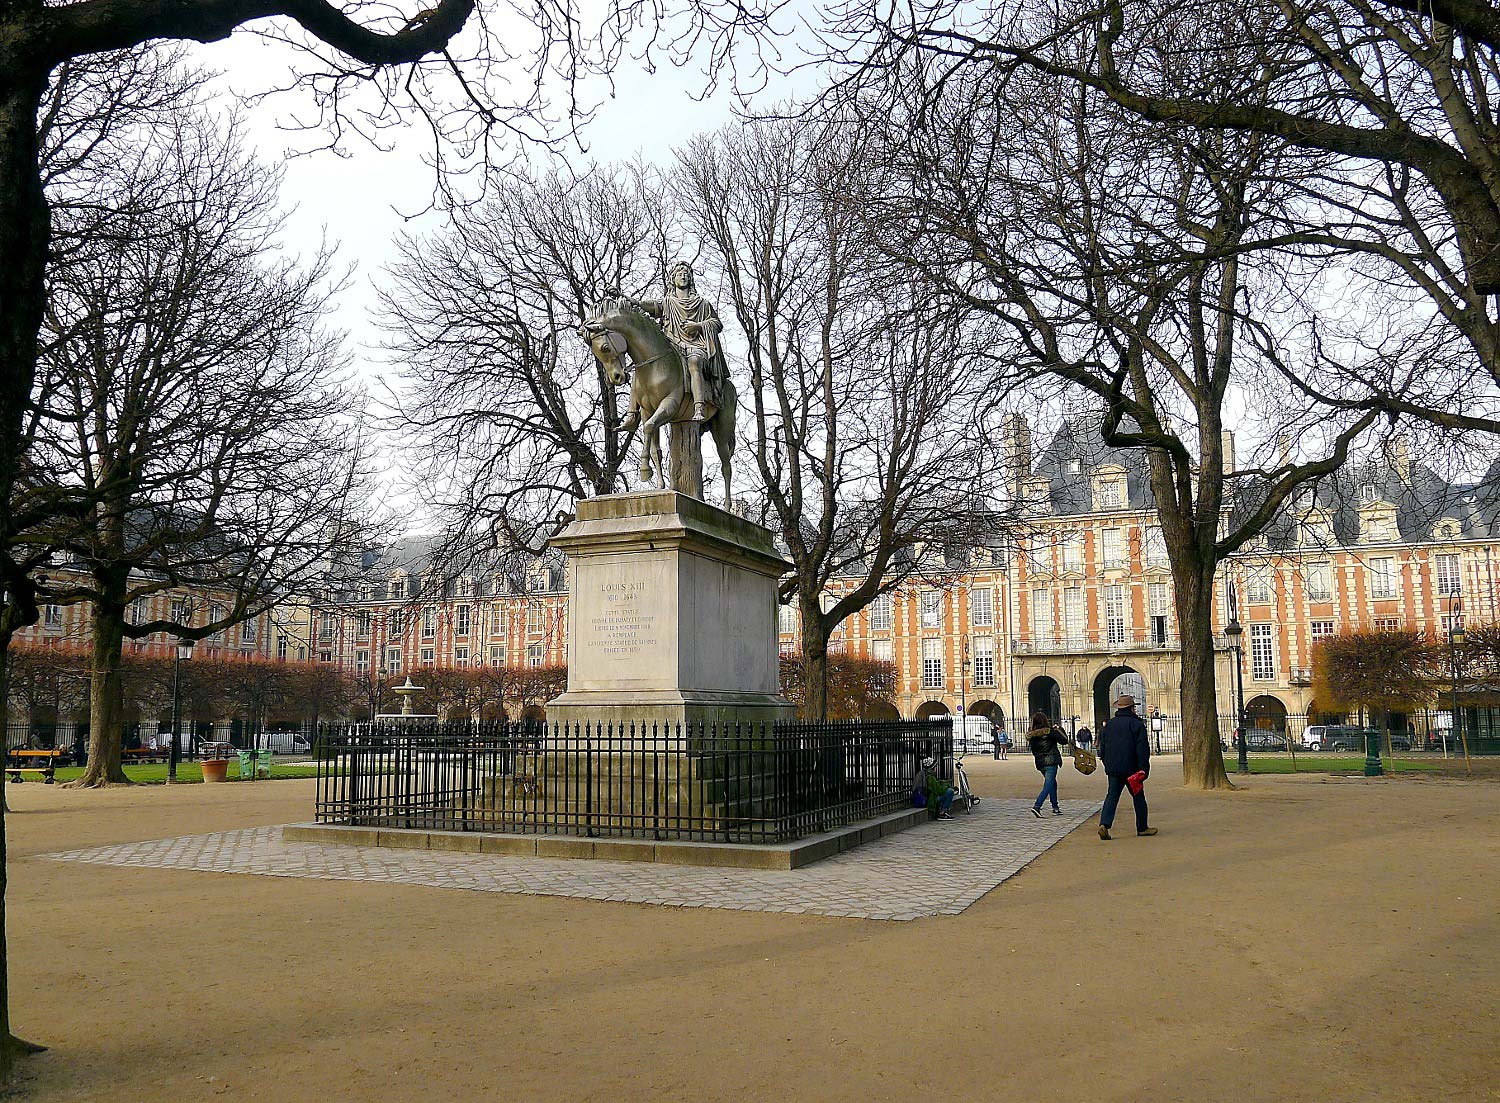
(263, 764)
(247, 765)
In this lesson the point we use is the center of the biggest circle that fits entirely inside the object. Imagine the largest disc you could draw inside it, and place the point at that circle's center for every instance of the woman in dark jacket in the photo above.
(1046, 740)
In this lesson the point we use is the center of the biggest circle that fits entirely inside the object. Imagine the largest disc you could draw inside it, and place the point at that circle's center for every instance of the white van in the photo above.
(973, 733)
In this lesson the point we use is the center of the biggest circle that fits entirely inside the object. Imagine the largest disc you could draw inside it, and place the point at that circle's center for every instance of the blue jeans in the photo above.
(1049, 787)
(1112, 800)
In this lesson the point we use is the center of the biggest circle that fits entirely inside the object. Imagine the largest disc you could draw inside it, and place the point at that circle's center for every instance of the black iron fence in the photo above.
(735, 783)
(1420, 732)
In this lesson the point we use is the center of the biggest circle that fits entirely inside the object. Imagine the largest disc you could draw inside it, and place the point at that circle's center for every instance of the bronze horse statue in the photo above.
(616, 329)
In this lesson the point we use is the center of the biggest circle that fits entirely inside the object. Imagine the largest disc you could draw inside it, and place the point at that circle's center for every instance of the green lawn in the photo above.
(1323, 764)
(155, 773)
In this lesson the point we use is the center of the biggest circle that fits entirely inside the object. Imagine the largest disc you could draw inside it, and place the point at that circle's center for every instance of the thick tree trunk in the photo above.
(1202, 756)
(814, 662)
(23, 256)
(106, 699)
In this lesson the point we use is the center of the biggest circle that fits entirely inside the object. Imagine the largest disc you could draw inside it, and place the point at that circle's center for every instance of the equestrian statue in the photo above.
(668, 350)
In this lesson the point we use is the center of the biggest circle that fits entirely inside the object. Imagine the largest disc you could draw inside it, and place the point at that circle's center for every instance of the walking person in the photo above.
(1125, 750)
(1046, 740)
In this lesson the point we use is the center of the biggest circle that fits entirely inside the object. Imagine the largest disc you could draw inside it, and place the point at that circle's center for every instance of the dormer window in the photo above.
(1447, 529)
(1316, 531)
(1377, 523)
(1109, 488)
(1036, 495)
(1074, 467)
(1366, 494)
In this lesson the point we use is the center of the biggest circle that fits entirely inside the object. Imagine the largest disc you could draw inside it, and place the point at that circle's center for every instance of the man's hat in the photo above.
(1125, 702)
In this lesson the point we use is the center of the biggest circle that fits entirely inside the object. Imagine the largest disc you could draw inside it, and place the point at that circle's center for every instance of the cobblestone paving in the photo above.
(935, 869)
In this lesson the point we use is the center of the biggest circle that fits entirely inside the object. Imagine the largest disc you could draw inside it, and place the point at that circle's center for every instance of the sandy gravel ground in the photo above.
(1298, 940)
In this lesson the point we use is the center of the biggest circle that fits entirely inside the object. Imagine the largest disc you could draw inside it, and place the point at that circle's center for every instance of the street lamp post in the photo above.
(1455, 645)
(184, 652)
(1235, 634)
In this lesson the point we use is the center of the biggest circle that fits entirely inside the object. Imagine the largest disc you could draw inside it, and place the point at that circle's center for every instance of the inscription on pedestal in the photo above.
(627, 624)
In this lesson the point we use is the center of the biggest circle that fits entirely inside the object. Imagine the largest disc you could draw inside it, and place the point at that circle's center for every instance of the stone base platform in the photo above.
(678, 852)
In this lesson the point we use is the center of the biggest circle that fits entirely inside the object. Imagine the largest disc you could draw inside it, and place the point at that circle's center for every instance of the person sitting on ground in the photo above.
(1125, 751)
(937, 792)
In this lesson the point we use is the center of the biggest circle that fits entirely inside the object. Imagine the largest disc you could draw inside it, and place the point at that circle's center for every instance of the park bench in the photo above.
(14, 770)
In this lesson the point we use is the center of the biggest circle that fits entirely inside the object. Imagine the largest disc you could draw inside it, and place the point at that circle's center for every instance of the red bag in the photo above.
(1136, 781)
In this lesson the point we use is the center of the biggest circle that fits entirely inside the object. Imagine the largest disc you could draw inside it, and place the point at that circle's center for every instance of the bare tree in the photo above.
(1394, 97)
(1136, 269)
(191, 397)
(868, 437)
(510, 415)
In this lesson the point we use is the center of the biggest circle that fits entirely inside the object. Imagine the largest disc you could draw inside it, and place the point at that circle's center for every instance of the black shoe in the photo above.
(1037, 812)
(1057, 811)
(945, 815)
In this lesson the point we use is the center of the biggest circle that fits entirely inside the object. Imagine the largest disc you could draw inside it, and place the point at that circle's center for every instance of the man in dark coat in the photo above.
(1125, 749)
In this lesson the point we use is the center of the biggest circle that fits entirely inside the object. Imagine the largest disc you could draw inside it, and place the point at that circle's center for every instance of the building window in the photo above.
(883, 650)
(1447, 574)
(429, 623)
(1383, 578)
(497, 655)
(1158, 606)
(181, 611)
(1262, 653)
(1038, 553)
(52, 617)
(534, 655)
(1073, 613)
(1114, 613)
(362, 661)
(1041, 615)
(1387, 624)
(1072, 551)
(462, 616)
(325, 626)
(393, 659)
(325, 656)
(932, 663)
(1156, 548)
(281, 649)
(882, 613)
(393, 624)
(1107, 493)
(427, 655)
(1319, 581)
(932, 609)
(398, 589)
(1114, 547)
(362, 626)
(984, 660)
(786, 620)
(533, 617)
(1258, 585)
(460, 655)
(1320, 630)
(247, 631)
(982, 607)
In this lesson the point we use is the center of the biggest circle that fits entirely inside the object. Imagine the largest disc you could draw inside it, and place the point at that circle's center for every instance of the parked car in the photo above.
(1264, 741)
(1346, 737)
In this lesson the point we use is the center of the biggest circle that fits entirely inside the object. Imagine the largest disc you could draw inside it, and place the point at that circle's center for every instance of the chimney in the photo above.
(1398, 455)
(1226, 447)
(1017, 453)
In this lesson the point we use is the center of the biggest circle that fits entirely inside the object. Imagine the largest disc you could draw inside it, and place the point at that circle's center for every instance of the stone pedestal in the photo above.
(671, 614)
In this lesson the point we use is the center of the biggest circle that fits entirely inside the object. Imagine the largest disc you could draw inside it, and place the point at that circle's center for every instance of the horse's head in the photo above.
(607, 343)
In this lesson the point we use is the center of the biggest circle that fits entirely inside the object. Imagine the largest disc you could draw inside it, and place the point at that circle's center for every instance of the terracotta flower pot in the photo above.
(215, 769)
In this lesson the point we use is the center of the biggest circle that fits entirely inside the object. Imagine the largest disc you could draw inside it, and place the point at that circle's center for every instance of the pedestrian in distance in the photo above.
(1125, 750)
(1046, 740)
(1002, 741)
(1084, 738)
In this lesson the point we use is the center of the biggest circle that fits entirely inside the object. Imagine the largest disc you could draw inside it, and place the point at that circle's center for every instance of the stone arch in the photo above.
(1109, 684)
(989, 710)
(882, 710)
(1317, 715)
(533, 712)
(931, 710)
(1043, 694)
(1266, 712)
